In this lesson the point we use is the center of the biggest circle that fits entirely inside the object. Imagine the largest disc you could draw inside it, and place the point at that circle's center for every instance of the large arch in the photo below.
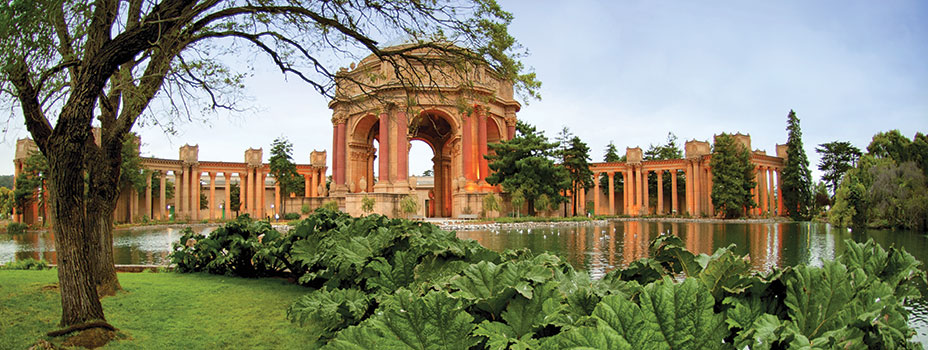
(456, 119)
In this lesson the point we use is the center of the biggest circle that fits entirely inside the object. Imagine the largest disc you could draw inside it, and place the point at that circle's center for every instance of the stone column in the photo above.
(660, 192)
(402, 150)
(277, 208)
(673, 191)
(180, 190)
(709, 191)
(248, 191)
(340, 154)
(335, 168)
(148, 205)
(133, 204)
(384, 151)
(638, 190)
(596, 194)
(688, 188)
(625, 187)
(162, 196)
(242, 187)
(466, 147)
(611, 193)
(763, 190)
(770, 194)
(307, 184)
(212, 196)
(195, 183)
(646, 203)
(697, 189)
(259, 192)
(780, 192)
(757, 190)
(482, 144)
(582, 198)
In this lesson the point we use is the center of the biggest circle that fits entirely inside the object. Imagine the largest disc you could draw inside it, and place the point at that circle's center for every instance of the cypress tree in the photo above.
(732, 177)
(797, 180)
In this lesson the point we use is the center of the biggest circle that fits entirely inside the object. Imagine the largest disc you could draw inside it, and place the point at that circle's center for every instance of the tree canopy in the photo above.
(797, 180)
(837, 158)
(66, 65)
(281, 164)
(732, 177)
(526, 163)
(611, 155)
(575, 156)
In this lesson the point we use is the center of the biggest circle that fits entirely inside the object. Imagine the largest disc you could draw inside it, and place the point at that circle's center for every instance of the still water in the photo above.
(595, 248)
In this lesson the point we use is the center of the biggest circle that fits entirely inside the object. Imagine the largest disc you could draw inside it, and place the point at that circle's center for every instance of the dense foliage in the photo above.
(887, 187)
(732, 177)
(283, 168)
(797, 180)
(390, 283)
(526, 163)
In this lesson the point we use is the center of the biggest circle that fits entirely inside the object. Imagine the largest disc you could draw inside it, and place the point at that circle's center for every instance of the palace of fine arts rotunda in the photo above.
(379, 108)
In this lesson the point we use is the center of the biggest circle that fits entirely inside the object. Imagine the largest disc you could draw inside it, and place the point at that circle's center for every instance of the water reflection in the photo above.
(602, 248)
(147, 246)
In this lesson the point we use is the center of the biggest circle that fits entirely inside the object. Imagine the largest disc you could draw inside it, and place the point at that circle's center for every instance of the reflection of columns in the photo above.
(611, 193)
(647, 197)
(482, 144)
(660, 192)
(384, 141)
(625, 187)
(227, 206)
(162, 196)
(402, 150)
(148, 207)
(596, 194)
(673, 191)
(212, 195)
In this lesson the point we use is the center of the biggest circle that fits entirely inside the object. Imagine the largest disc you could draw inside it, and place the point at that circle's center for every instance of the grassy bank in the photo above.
(161, 311)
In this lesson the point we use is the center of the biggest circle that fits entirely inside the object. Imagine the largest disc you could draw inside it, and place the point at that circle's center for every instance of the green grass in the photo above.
(162, 311)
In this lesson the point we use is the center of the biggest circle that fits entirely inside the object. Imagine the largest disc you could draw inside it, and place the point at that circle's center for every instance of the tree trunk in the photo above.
(531, 207)
(75, 245)
(106, 281)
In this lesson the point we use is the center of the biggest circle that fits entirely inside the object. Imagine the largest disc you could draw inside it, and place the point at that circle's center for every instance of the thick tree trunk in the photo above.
(106, 281)
(75, 245)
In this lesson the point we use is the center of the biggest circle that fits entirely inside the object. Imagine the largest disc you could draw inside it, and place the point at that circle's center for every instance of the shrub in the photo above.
(330, 205)
(26, 264)
(16, 228)
(306, 209)
(367, 204)
(291, 216)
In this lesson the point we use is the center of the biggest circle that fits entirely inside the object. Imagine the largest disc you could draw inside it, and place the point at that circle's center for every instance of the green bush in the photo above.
(16, 228)
(330, 205)
(291, 216)
(305, 209)
(392, 283)
(26, 264)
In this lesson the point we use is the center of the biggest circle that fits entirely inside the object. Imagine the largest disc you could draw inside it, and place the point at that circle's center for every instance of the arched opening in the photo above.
(437, 130)
(363, 145)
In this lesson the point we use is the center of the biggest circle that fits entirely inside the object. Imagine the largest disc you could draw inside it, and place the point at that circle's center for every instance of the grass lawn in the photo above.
(162, 311)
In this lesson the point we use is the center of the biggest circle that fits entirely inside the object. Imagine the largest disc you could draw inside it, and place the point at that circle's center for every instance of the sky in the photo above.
(630, 72)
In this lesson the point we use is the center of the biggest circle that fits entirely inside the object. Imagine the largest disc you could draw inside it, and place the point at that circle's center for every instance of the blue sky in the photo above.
(632, 71)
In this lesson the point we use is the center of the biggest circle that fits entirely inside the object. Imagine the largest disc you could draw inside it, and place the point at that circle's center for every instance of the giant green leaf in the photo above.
(409, 321)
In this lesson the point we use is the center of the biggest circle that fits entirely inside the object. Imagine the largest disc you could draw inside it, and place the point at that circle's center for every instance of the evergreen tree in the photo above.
(30, 180)
(732, 177)
(526, 162)
(611, 156)
(576, 158)
(283, 169)
(837, 158)
(797, 180)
